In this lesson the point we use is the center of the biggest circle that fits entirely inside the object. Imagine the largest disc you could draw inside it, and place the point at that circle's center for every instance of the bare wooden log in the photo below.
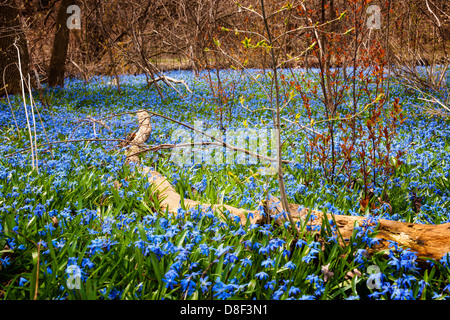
(170, 200)
(429, 241)
(141, 136)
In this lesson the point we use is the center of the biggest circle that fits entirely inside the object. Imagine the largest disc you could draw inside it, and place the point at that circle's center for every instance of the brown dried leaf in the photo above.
(353, 273)
(326, 272)
(55, 222)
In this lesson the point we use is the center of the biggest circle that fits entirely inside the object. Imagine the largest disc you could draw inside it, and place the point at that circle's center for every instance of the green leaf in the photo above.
(181, 239)
(251, 287)
(349, 30)
(156, 267)
(246, 42)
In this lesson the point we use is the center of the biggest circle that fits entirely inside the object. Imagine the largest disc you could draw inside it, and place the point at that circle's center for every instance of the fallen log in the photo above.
(428, 241)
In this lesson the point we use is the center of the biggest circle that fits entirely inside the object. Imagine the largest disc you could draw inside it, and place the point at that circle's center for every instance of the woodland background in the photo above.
(120, 37)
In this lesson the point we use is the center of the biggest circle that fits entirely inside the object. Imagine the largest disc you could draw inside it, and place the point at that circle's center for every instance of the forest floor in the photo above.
(85, 225)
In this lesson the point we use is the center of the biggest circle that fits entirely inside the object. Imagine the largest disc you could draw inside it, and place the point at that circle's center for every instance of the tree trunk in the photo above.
(11, 32)
(60, 46)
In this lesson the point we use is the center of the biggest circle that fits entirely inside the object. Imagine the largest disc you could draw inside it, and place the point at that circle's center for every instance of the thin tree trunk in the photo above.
(277, 122)
(60, 45)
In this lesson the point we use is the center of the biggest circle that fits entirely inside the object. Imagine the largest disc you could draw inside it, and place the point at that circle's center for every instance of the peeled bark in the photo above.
(429, 241)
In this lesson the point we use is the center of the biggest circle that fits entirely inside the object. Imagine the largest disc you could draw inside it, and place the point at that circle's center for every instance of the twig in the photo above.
(33, 106)
(221, 142)
(300, 125)
(39, 114)
(67, 141)
(429, 9)
(9, 101)
(37, 270)
(165, 79)
(25, 104)
(206, 143)
(93, 121)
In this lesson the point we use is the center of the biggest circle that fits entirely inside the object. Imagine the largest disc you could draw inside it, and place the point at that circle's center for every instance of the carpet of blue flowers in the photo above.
(70, 223)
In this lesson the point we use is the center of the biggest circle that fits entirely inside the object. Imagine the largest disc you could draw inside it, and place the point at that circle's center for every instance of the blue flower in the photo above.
(246, 262)
(445, 260)
(310, 256)
(231, 257)
(360, 253)
(5, 261)
(402, 294)
(407, 260)
(239, 232)
(114, 294)
(87, 262)
(268, 263)
(263, 250)
(290, 265)
(375, 295)
(49, 271)
(222, 290)
(193, 265)
(188, 285)
(277, 294)
(204, 284)
(204, 249)
(422, 284)
(436, 296)
(169, 278)
(270, 285)
(97, 245)
(39, 210)
(307, 297)
(22, 281)
(261, 275)
(300, 243)
(218, 237)
(293, 291)
(313, 278)
(220, 251)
